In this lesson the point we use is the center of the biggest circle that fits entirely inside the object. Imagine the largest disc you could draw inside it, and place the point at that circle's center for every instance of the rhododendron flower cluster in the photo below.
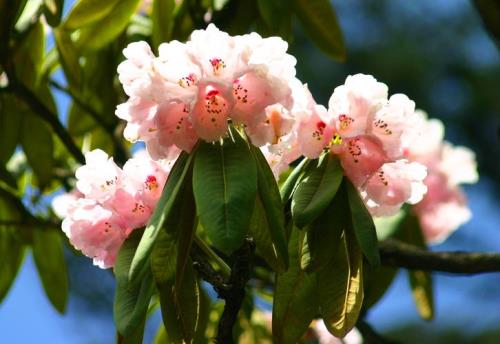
(444, 207)
(110, 202)
(369, 133)
(192, 90)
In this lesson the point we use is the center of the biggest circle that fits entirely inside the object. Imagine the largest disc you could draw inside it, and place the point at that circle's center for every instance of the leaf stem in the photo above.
(226, 271)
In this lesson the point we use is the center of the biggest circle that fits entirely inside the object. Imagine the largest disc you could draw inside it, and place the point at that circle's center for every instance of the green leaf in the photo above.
(170, 193)
(320, 22)
(225, 186)
(52, 10)
(276, 15)
(261, 234)
(377, 280)
(106, 29)
(295, 303)
(290, 185)
(37, 143)
(131, 299)
(51, 266)
(316, 189)
(180, 307)
(323, 236)
(9, 12)
(362, 223)
(172, 247)
(340, 287)
(421, 288)
(162, 18)
(68, 57)
(12, 253)
(10, 127)
(28, 57)
(273, 208)
(85, 12)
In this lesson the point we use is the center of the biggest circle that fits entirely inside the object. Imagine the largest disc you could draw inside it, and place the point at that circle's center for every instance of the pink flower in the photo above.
(370, 136)
(192, 90)
(444, 207)
(110, 202)
(100, 177)
(94, 230)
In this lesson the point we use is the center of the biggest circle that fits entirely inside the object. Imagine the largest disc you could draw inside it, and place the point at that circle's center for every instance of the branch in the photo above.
(398, 254)
(39, 108)
(231, 290)
(121, 153)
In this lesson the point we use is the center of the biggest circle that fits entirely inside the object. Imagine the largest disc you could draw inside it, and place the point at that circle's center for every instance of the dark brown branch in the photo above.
(370, 336)
(232, 290)
(41, 110)
(121, 153)
(398, 254)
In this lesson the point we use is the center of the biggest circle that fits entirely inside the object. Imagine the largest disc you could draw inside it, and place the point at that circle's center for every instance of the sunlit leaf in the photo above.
(107, 28)
(225, 186)
(295, 303)
(131, 299)
(316, 189)
(340, 287)
(162, 18)
(85, 12)
(162, 211)
(68, 57)
(362, 223)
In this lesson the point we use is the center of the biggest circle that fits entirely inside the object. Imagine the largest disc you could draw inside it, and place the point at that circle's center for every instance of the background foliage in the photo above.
(437, 52)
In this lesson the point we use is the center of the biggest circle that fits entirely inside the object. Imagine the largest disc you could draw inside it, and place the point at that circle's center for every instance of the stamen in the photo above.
(217, 65)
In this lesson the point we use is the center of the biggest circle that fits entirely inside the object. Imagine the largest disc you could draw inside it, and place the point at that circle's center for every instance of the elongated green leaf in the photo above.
(323, 236)
(86, 12)
(162, 211)
(28, 57)
(377, 281)
(225, 186)
(162, 18)
(172, 247)
(52, 10)
(290, 185)
(363, 225)
(51, 266)
(9, 12)
(131, 299)
(340, 287)
(10, 127)
(295, 303)
(261, 234)
(421, 288)
(273, 207)
(38, 146)
(12, 253)
(276, 15)
(106, 29)
(316, 189)
(68, 58)
(320, 22)
(180, 307)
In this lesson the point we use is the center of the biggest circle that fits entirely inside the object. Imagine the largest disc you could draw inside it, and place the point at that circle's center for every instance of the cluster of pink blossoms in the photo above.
(444, 207)
(194, 90)
(369, 133)
(110, 202)
(191, 90)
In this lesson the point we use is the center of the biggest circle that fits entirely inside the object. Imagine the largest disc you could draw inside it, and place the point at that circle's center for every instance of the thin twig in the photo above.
(121, 153)
(398, 254)
(41, 110)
